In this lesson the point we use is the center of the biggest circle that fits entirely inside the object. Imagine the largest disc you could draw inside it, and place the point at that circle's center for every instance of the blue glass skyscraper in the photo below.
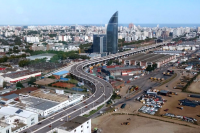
(99, 43)
(112, 34)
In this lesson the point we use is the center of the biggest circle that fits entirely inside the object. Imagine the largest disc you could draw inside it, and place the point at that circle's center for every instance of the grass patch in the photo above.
(73, 81)
(166, 81)
(93, 111)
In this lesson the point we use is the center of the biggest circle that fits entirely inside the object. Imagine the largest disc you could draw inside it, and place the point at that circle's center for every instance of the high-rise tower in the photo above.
(112, 34)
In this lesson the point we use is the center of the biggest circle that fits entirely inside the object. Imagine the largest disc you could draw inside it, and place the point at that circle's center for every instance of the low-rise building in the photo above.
(77, 125)
(5, 128)
(45, 103)
(18, 119)
(60, 74)
(148, 59)
(41, 56)
(122, 70)
(13, 77)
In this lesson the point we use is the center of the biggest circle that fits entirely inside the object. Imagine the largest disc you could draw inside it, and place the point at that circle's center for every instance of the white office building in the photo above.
(31, 39)
(5, 128)
(18, 117)
(79, 124)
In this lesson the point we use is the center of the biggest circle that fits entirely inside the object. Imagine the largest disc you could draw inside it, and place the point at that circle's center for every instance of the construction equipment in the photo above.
(125, 123)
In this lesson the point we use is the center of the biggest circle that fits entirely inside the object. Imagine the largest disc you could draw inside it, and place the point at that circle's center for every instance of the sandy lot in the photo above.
(112, 124)
(45, 81)
(172, 104)
(173, 82)
(130, 107)
(195, 86)
(123, 90)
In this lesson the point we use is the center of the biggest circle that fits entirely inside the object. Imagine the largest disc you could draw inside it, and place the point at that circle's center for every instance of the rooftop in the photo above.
(178, 52)
(18, 74)
(123, 68)
(38, 103)
(61, 73)
(49, 96)
(148, 57)
(11, 96)
(23, 90)
(15, 111)
(74, 123)
(41, 56)
(3, 125)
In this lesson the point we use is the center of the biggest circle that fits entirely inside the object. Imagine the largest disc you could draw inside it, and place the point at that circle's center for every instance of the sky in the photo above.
(44, 12)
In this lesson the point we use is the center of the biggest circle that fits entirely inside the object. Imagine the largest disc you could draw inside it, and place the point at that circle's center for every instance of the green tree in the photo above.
(149, 68)
(32, 81)
(109, 62)
(55, 58)
(4, 84)
(19, 84)
(23, 63)
(18, 41)
(154, 66)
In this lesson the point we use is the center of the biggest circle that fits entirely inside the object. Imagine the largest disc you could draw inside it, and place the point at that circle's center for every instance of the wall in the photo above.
(85, 127)
(4, 129)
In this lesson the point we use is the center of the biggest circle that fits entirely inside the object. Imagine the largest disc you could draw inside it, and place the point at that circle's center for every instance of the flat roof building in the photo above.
(13, 114)
(41, 56)
(45, 103)
(176, 53)
(17, 76)
(60, 74)
(79, 124)
(148, 59)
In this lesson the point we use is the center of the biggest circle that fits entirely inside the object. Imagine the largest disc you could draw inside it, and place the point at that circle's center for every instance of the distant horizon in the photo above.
(171, 25)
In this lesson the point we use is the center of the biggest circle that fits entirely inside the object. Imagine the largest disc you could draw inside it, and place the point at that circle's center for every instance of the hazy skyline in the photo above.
(40, 12)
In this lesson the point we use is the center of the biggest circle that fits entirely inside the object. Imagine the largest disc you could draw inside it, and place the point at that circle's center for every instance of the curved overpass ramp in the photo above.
(102, 93)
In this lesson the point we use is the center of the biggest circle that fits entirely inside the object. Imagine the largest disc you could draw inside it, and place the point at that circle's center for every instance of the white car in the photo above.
(52, 118)
(61, 119)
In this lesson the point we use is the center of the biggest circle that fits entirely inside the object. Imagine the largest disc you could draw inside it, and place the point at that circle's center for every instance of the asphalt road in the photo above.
(102, 93)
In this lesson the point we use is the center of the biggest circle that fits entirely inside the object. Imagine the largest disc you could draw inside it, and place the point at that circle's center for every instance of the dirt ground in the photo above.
(45, 81)
(171, 84)
(112, 124)
(172, 104)
(129, 108)
(123, 90)
(61, 84)
(195, 86)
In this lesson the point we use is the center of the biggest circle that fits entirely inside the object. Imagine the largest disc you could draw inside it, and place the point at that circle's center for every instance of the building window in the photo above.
(74, 130)
(32, 119)
(81, 126)
(81, 131)
(87, 126)
(8, 131)
(87, 122)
